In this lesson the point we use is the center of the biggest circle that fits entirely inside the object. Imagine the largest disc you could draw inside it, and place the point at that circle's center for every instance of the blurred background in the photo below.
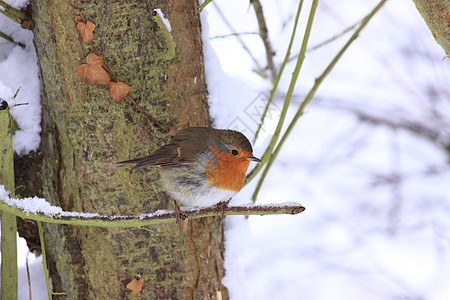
(369, 159)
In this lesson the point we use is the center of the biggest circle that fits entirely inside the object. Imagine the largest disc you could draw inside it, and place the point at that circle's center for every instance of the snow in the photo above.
(18, 68)
(36, 205)
(376, 223)
(18, 4)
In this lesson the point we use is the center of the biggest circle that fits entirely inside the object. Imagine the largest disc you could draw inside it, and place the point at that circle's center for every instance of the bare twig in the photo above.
(150, 117)
(230, 27)
(232, 34)
(264, 33)
(280, 71)
(268, 153)
(431, 131)
(10, 39)
(311, 94)
(417, 128)
(50, 292)
(28, 276)
(333, 38)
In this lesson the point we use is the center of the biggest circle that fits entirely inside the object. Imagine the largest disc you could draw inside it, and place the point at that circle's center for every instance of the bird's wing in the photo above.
(182, 150)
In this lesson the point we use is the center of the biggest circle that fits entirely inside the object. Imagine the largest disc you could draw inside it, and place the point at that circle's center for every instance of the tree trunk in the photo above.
(436, 14)
(84, 134)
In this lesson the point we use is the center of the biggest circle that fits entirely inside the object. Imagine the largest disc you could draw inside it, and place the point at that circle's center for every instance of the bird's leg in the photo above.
(222, 205)
(178, 214)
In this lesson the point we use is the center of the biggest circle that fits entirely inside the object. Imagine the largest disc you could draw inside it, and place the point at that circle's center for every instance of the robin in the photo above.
(201, 166)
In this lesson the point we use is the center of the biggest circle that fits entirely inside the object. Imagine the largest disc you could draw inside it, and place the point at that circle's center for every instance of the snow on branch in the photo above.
(39, 209)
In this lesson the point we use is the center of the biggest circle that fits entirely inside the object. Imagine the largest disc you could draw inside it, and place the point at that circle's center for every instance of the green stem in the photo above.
(169, 41)
(10, 39)
(44, 259)
(204, 5)
(313, 90)
(265, 158)
(9, 256)
(12, 13)
(280, 72)
(8, 221)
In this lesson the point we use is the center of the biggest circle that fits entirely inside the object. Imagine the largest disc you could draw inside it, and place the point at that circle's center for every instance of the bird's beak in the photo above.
(252, 158)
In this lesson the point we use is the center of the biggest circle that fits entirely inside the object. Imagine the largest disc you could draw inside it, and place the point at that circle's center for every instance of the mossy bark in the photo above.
(85, 134)
(436, 14)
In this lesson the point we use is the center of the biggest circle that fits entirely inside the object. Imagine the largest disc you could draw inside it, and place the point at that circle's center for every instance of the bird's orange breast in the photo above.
(228, 172)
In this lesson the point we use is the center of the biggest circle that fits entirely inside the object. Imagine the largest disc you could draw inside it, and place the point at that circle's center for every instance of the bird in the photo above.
(201, 166)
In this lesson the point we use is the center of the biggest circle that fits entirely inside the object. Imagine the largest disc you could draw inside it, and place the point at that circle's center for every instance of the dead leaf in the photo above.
(118, 91)
(94, 59)
(135, 286)
(93, 74)
(86, 31)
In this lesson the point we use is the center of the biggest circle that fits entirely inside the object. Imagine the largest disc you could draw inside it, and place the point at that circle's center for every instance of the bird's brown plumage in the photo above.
(187, 144)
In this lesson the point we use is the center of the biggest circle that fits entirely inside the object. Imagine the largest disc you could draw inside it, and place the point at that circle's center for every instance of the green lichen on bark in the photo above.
(436, 13)
(85, 134)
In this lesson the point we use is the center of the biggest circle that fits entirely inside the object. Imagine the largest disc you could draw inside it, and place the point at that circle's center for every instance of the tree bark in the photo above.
(436, 14)
(84, 134)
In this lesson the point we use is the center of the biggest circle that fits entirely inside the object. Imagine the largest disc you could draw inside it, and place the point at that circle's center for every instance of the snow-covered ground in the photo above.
(377, 195)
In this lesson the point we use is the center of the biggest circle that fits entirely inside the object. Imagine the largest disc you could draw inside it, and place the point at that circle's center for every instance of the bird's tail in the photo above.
(139, 163)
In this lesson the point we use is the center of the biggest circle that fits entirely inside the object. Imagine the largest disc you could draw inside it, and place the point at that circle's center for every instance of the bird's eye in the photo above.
(234, 152)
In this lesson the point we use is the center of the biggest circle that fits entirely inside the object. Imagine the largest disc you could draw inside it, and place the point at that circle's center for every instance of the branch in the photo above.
(295, 74)
(151, 119)
(10, 39)
(44, 259)
(264, 33)
(280, 72)
(17, 207)
(16, 15)
(333, 38)
(203, 5)
(258, 67)
(269, 160)
(164, 25)
(429, 132)
(8, 221)
(232, 34)
(12, 13)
